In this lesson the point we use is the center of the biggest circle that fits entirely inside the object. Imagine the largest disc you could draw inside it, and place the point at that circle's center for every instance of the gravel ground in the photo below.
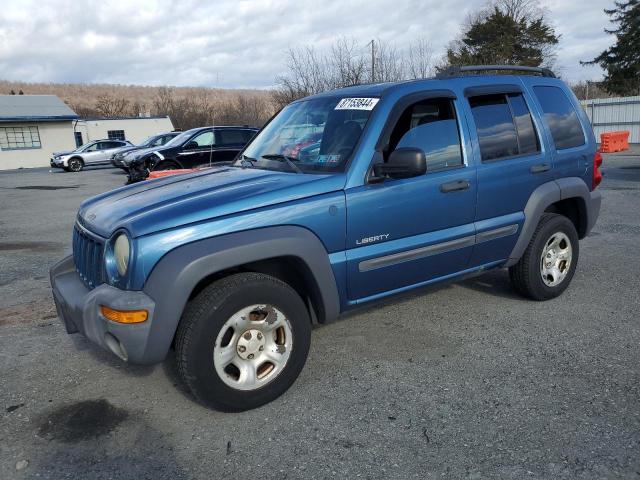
(462, 380)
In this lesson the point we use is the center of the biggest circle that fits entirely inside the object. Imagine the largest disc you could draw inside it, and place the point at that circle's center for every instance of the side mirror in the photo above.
(191, 145)
(403, 163)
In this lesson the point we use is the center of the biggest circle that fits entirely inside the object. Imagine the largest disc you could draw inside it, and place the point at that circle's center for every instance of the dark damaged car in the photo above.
(195, 148)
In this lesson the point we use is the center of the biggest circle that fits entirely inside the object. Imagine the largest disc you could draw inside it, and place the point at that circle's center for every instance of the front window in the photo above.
(318, 135)
(90, 147)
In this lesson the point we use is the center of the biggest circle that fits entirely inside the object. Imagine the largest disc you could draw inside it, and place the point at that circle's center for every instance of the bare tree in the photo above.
(349, 63)
(587, 89)
(164, 101)
(389, 63)
(519, 9)
(420, 59)
(111, 106)
(346, 64)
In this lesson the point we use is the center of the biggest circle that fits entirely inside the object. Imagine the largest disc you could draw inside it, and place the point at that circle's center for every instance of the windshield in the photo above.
(85, 147)
(148, 141)
(319, 135)
(178, 140)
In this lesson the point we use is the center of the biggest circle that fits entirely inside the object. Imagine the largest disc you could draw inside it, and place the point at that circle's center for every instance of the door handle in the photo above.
(455, 186)
(541, 167)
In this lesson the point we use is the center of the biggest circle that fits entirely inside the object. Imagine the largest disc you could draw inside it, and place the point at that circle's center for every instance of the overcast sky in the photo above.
(231, 43)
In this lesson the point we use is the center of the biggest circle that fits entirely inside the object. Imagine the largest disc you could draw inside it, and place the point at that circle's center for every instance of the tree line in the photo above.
(187, 107)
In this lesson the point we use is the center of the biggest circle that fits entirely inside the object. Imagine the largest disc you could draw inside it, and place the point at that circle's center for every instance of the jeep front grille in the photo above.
(88, 257)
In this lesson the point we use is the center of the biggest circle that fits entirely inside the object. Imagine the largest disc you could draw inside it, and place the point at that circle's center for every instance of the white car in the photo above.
(97, 152)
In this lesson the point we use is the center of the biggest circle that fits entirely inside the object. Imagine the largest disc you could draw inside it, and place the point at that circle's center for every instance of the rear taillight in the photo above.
(597, 174)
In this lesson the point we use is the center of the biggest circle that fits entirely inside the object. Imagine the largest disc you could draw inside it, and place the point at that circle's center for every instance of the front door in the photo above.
(198, 152)
(93, 154)
(406, 232)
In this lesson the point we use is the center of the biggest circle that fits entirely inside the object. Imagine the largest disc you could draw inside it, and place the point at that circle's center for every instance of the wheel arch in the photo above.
(164, 160)
(292, 254)
(567, 196)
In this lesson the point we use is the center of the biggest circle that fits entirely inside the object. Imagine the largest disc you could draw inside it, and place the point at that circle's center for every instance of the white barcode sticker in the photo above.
(357, 104)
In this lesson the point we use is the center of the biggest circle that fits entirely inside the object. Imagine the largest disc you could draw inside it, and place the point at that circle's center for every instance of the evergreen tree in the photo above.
(621, 61)
(500, 36)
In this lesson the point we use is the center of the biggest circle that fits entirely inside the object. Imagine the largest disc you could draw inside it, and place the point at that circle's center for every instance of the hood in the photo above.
(62, 153)
(131, 148)
(170, 202)
(140, 152)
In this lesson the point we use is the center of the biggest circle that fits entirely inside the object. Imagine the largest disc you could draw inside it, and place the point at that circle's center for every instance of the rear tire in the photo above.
(549, 262)
(242, 341)
(75, 165)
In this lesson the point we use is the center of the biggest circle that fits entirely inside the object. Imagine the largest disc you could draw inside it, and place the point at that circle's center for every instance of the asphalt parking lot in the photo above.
(463, 380)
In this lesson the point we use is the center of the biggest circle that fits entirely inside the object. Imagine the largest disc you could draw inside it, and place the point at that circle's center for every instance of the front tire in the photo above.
(549, 262)
(242, 341)
(166, 165)
(75, 165)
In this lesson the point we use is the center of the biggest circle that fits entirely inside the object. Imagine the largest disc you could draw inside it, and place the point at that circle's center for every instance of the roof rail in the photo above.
(457, 71)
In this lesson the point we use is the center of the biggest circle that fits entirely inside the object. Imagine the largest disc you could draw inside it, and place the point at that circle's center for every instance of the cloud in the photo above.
(238, 43)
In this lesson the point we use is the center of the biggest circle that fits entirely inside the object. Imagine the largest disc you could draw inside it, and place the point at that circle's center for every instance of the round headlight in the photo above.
(121, 253)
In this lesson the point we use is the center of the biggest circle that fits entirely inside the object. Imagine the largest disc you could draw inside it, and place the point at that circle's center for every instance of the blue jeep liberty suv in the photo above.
(343, 198)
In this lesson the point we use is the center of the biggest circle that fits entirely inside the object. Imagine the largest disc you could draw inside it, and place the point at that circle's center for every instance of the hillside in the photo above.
(187, 106)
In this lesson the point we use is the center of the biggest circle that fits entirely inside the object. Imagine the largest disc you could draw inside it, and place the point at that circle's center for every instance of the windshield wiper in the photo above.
(284, 158)
(247, 162)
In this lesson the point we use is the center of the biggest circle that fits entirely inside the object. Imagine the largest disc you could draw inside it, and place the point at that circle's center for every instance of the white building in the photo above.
(34, 126)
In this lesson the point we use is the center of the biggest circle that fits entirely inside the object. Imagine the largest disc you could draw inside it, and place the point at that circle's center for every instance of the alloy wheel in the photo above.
(253, 347)
(555, 260)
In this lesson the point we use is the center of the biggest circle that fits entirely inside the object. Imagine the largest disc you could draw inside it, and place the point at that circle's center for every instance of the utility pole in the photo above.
(587, 93)
(373, 60)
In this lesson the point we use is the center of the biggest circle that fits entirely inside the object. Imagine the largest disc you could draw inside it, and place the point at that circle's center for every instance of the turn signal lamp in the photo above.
(124, 316)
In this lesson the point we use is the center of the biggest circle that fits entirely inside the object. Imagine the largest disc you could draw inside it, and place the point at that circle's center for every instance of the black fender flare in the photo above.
(177, 273)
(548, 194)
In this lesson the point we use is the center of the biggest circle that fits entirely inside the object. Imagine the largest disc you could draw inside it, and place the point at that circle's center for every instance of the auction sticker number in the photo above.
(357, 104)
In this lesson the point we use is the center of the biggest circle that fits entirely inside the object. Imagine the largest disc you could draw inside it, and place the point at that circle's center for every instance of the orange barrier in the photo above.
(614, 141)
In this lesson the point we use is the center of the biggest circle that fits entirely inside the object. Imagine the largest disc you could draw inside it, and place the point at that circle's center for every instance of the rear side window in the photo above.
(231, 137)
(504, 126)
(248, 135)
(431, 126)
(561, 117)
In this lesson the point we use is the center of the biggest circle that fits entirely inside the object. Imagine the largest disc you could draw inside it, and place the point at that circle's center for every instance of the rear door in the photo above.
(513, 164)
(406, 232)
(559, 108)
(109, 148)
(229, 141)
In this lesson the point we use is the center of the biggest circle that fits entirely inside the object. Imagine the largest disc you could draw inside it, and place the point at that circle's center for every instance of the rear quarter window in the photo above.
(560, 116)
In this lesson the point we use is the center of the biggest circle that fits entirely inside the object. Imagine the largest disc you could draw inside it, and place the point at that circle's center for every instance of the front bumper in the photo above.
(56, 163)
(79, 309)
(117, 162)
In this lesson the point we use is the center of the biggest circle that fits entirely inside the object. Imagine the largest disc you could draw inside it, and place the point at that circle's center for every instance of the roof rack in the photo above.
(458, 71)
